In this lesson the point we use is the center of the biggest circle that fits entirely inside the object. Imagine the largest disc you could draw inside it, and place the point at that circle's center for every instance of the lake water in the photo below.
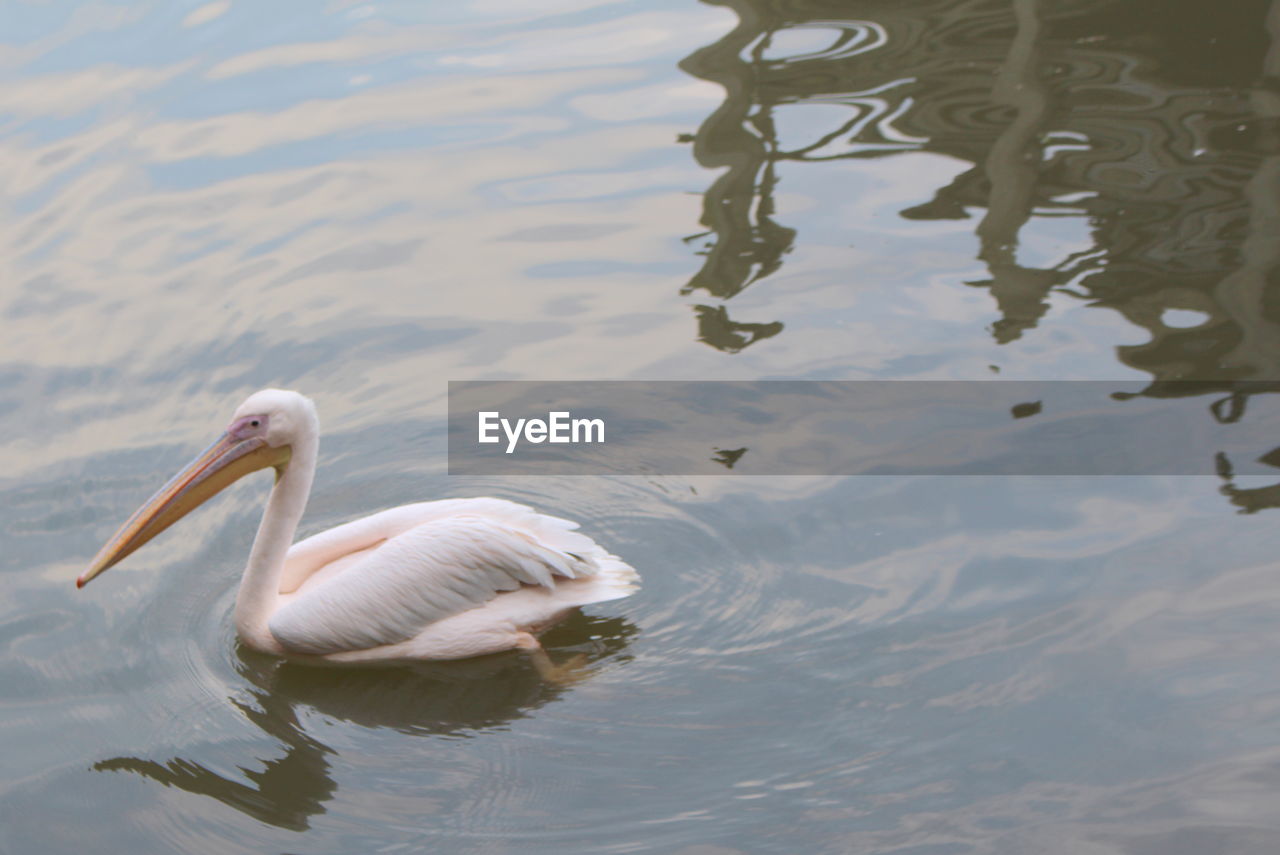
(364, 201)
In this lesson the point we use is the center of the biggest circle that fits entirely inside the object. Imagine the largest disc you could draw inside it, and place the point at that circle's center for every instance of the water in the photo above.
(364, 201)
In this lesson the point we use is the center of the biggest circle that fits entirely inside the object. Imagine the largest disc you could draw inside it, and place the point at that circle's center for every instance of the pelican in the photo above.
(446, 579)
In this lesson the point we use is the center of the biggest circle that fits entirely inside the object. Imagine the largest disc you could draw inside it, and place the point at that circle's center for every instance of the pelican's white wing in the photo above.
(459, 557)
(308, 556)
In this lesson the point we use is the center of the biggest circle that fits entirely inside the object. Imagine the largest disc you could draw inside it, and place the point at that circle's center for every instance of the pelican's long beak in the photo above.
(222, 463)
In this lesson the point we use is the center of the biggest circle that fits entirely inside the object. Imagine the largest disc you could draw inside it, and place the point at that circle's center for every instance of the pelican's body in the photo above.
(434, 580)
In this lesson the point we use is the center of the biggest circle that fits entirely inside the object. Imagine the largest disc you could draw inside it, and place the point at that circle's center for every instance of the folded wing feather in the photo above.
(452, 562)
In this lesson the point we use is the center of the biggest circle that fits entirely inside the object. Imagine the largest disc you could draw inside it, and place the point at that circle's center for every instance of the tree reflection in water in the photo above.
(427, 699)
(1155, 123)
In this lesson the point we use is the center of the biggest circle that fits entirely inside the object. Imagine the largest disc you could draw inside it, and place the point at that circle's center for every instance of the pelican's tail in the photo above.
(613, 580)
(595, 575)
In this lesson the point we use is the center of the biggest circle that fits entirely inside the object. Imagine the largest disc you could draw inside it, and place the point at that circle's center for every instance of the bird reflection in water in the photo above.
(458, 698)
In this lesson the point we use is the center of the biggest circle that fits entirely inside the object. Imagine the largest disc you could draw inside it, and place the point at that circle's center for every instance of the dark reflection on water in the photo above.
(1158, 123)
(286, 792)
(744, 244)
(1155, 121)
(429, 699)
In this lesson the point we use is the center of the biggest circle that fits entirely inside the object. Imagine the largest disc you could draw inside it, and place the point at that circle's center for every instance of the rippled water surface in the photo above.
(364, 201)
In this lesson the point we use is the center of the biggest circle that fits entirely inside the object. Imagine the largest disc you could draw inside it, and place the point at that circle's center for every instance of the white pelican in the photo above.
(435, 580)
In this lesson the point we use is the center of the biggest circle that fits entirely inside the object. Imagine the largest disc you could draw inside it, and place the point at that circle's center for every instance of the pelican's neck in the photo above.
(260, 587)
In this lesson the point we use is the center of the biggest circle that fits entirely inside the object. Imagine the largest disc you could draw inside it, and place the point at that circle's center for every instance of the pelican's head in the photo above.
(262, 433)
(285, 417)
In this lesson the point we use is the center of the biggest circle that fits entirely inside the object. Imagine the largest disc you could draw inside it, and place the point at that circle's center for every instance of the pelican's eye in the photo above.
(247, 427)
